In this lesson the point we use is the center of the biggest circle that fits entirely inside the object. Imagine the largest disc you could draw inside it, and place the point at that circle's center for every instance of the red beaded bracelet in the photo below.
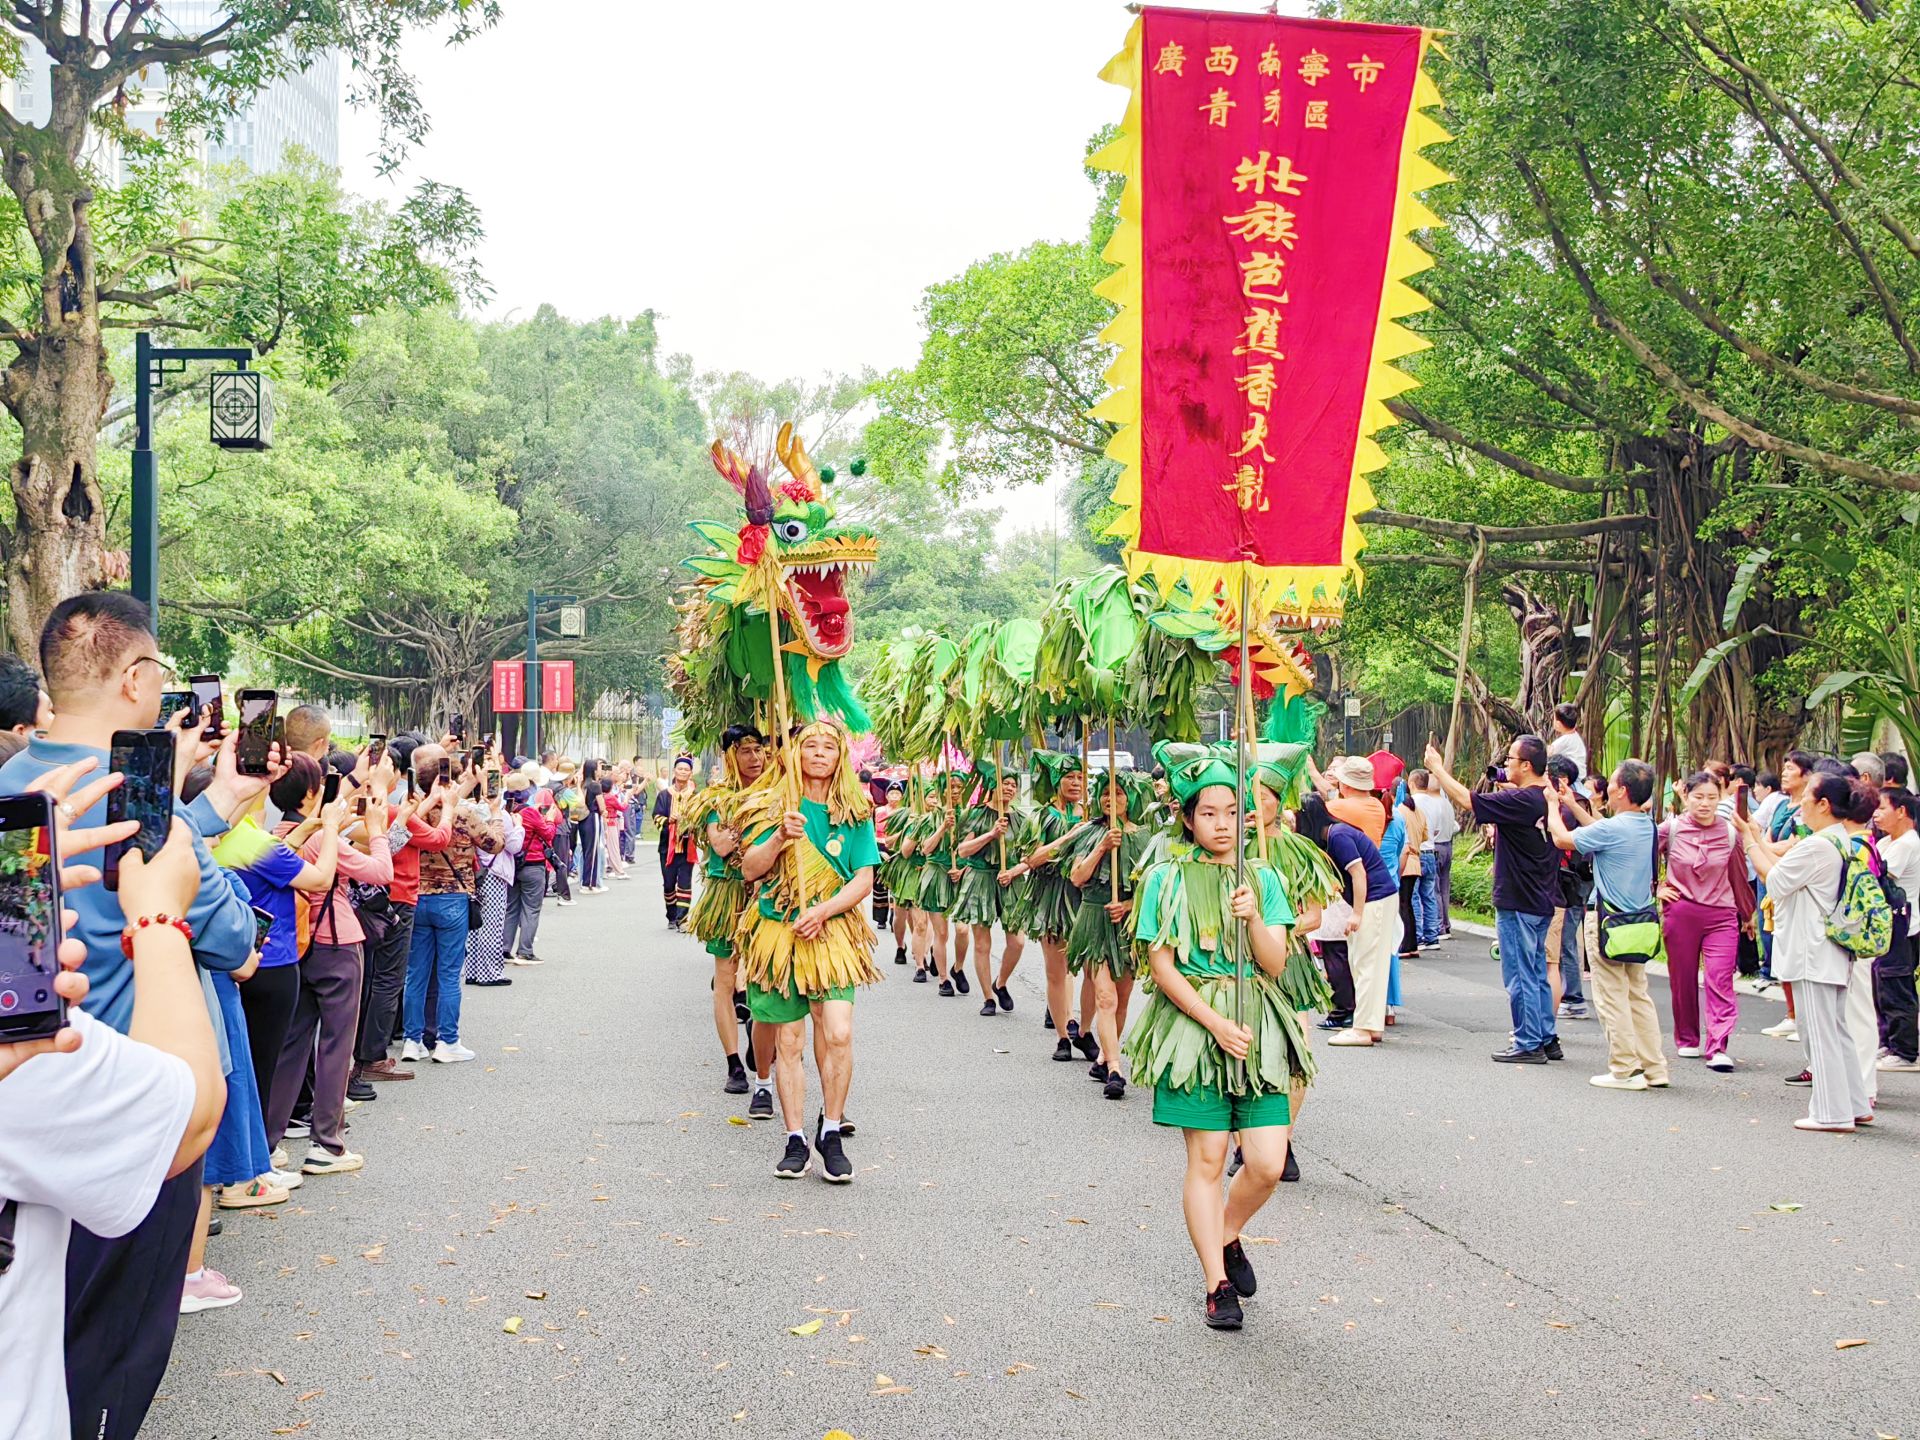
(177, 922)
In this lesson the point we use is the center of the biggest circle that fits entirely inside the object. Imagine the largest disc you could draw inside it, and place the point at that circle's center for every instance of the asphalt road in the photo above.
(1475, 1250)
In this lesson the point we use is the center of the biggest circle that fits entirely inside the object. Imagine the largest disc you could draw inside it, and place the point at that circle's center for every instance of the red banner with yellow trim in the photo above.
(1263, 246)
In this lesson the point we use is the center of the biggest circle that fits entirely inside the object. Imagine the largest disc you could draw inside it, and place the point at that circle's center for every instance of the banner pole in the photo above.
(1240, 829)
(1113, 784)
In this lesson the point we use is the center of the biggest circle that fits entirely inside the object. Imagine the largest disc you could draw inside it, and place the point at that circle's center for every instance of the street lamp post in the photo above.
(532, 687)
(242, 419)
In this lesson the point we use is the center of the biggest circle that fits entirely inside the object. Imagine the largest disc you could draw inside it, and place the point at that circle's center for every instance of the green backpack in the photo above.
(1861, 922)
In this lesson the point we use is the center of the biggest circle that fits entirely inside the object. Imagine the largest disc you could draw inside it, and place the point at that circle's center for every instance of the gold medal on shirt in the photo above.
(834, 846)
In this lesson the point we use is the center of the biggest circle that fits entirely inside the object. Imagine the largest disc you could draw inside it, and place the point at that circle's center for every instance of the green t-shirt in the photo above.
(847, 848)
(716, 866)
(1274, 909)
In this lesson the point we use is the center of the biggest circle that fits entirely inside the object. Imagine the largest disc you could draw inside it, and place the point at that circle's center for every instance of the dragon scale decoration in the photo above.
(785, 553)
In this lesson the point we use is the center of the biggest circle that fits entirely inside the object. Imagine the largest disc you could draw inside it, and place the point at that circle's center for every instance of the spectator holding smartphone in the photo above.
(93, 1125)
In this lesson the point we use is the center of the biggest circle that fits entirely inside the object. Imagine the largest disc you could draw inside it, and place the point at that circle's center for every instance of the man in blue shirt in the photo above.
(103, 669)
(1622, 850)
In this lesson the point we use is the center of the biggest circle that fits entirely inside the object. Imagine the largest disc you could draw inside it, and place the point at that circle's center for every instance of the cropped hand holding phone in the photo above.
(165, 885)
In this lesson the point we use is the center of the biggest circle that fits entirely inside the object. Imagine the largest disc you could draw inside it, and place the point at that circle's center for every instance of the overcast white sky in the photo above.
(778, 178)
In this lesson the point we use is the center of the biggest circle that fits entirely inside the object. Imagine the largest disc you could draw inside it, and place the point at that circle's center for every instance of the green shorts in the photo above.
(1205, 1108)
(779, 1007)
(720, 949)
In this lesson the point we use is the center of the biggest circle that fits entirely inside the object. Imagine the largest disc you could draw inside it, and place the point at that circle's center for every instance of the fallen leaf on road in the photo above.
(948, 1318)
(1558, 1325)
(1786, 1207)
(1076, 1220)
(1017, 1366)
(374, 1252)
(807, 1329)
(293, 1429)
(930, 1350)
(883, 1379)
(310, 1395)
(1107, 1305)
(739, 1415)
(536, 1294)
(1075, 1395)
(1163, 1319)
(511, 1325)
(723, 1364)
(279, 1379)
(892, 1390)
(327, 1260)
(511, 1049)
(1838, 1345)
(738, 1120)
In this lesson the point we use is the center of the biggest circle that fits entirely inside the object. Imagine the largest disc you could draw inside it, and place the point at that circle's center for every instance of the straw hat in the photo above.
(1353, 770)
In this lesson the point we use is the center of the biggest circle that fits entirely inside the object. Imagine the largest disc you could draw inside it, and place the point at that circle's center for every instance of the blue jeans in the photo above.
(1570, 932)
(439, 947)
(1426, 899)
(1523, 968)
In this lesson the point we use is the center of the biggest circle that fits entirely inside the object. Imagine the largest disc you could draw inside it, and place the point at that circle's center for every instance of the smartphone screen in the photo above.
(359, 804)
(257, 713)
(262, 926)
(330, 788)
(477, 756)
(145, 758)
(376, 749)
(458, 728)
(206, 690)
(446, 770)
(494, 778)
(29, 920)
(172, 702)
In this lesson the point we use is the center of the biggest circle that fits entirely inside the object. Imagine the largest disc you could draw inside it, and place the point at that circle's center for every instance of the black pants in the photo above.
(268, 998)
(676, 880)
(384, 980)
(1893, 994)
(1409, 927)
(123, 1305)
(560, 859)
(1333, 955)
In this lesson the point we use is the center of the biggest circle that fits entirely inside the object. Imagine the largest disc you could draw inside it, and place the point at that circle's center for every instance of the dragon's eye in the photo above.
(790, 532)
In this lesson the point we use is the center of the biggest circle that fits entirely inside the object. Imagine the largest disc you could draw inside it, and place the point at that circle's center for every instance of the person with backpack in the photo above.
(1863, 1018)
(1811, 885)
(1622, 926)
(1700, 917)
(1897, 817)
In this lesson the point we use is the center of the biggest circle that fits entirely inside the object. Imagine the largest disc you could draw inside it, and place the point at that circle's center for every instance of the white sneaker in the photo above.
(447, 1054)
(285, 1179)
(322, 1161)
(349, 1105)
(1687, 1052)
(279, 1158)
(298, 1129)
(413, 1050)
(1722, 1061)
(1894, 1062)
(1788, 1029)
(1610, 1081)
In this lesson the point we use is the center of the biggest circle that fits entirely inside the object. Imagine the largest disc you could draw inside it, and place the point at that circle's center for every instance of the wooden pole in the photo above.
(1237, 1069)
(1466, 642)
(1113, 785)
(999, 805)
(789, 757)
(1259, 819)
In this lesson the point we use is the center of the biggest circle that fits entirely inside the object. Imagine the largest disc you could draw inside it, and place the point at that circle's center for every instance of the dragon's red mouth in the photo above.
(818, 596)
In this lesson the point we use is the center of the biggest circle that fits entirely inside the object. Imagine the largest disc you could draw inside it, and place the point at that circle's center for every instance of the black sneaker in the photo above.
(1116, 1086)
(740, 1011)
(1063, 1050)
(362, 1091)
(1235, 1161)
(835, 1168)
(1223, 1308)
(761, 1106)
(989, 1008)
(899, 954)
(214, 1227)
(797, 1161)
(1805, 1077)
(736, 1079)
(920, 977)
(1239, 1269)
(1517, 1056)
(1073, 1029)
(1553, 1050)
(1337, 1021)
(960, 981)
(1097, 1071)
(1047, 1019)
(1291, 1170)
(1089, 1046)
(946, 988)
(1002, 998)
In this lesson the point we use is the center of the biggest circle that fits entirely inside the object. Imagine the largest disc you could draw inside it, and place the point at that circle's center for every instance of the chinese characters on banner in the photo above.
(1269, 164)
(509, 686)
(556, 687)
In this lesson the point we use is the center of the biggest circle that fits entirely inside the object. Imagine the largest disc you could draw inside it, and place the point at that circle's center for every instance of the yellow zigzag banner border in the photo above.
(1302, 591)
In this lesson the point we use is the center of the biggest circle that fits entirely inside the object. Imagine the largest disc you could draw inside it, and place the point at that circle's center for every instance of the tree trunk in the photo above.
(57, 391)
(1546, 653)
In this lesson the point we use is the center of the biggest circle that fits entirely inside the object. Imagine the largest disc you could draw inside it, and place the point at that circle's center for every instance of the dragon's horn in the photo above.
(758, 497)
(793, 454)
(731, 467)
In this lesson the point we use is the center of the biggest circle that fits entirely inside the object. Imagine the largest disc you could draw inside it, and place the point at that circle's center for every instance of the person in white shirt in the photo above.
(1443, 823)
(1566, 741)
(1804, 884)
(1893, 985)
(93, 1121)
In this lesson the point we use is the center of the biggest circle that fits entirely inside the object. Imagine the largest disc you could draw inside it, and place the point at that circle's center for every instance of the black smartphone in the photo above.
(257, 713)
(477, 756)
(172, 702)
(458, 728)
(446, 770)
(206, 690)
(145, 758)
(376, 750)
(330, 788)
(494, 779)
(359, 804)
(262, 926)
(29, 920)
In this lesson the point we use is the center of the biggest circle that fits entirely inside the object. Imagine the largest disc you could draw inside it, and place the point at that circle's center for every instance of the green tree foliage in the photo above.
(83, 257)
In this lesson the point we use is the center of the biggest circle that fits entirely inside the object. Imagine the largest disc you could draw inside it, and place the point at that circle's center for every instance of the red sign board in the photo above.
(556, 687)
(509, 686)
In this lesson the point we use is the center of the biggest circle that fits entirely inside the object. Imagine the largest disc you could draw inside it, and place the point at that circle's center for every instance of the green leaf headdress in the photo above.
(1049, 768)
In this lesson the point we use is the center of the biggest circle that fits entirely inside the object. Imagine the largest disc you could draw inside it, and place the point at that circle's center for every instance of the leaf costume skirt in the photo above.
(935, 890)
(716, 914)
(901, 875)
(1056, 905)
(1303, 984)
(1096, 941)
(1166, 1044)
(977, 900)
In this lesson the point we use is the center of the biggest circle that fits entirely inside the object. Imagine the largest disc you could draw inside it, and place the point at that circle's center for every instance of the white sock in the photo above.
(830, 1127)
(200, 1274)
(761, 1087)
